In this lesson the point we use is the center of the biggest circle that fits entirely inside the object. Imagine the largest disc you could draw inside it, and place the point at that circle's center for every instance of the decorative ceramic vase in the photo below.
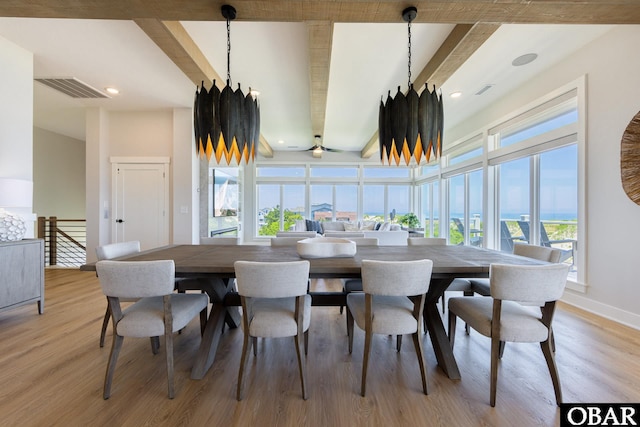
(12, 226)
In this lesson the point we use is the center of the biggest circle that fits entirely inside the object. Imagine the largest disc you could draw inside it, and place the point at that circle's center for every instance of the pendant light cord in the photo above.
(409, 45)
(228, 52)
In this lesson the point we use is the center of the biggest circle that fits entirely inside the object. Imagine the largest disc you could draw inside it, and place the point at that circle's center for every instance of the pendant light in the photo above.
(410, 126)
(226, 123)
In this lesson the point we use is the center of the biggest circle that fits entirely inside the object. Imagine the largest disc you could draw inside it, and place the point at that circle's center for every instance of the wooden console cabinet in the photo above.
(22, 273)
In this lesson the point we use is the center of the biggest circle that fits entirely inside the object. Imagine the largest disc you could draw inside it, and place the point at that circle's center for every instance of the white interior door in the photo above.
(140, 203)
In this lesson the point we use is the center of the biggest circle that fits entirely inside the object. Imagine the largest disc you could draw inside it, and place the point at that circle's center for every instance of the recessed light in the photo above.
(112, 90)
(280, 141)
(524, 59)
(456, 94)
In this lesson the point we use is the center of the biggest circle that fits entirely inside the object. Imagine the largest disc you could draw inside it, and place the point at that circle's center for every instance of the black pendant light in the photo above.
(410, 126)
(226, 123)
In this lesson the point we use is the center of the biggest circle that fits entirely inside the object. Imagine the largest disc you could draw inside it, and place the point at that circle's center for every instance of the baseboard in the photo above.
(607, 311)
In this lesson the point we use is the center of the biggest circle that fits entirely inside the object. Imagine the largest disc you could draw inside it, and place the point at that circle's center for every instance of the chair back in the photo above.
(220, 241)
(541, 253)
(528, 283)
(305, 234)
(426, 241)
(396, 278)
(506, 239)
(115, 250)
(139, 279)
(286, 241)
(271, 279)
(364, 241)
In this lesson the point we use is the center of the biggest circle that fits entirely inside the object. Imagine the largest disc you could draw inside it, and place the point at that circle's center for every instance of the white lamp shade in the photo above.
(16, 193)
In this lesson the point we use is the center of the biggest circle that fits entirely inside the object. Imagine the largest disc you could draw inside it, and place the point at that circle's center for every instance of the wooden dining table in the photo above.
(209, 268)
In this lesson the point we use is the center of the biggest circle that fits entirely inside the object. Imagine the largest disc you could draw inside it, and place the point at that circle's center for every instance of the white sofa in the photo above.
(389, 237)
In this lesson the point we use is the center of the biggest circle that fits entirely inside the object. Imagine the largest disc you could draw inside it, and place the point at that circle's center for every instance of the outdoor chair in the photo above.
(392, 303)
(474, 239)
(544, 240)
(504, 319)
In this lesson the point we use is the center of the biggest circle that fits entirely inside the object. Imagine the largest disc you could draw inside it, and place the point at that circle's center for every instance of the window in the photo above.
(430, 196)
(223, 202)
(271, 197)
(514, 203)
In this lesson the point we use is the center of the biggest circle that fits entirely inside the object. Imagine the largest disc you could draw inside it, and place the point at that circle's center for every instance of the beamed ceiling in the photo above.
(321, 66)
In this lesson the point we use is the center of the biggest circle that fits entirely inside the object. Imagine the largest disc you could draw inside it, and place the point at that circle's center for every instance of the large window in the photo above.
(465, 209)
(514, 181)
(279, 206)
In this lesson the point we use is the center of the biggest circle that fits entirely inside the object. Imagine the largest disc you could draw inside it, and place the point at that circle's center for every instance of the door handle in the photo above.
(119, 220)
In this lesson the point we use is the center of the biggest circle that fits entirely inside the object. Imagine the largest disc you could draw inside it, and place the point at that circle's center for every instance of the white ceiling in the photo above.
(367, 60)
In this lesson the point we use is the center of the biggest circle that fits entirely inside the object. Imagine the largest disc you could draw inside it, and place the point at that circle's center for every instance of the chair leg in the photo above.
(168, 343)
(553, 370)
(306, 342)
(452, 328)
(246, 348)
(398, 343)
(368, 335)
(552, 340)
(501, 350)
(255, 346)
(301, 366)
(350, 329)
(443, 303)
(155, 344)
(417, 343)
(203, 320)
(105, 324)
(495, 352)
(111, 366)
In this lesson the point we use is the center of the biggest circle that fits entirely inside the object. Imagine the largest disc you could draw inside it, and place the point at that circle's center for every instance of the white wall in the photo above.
(16, 111)
(58, 175)
(16, 120)
(161, 133)
(612, 67)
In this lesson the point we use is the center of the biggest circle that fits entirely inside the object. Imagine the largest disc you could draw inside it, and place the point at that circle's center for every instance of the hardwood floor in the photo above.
(52, 373)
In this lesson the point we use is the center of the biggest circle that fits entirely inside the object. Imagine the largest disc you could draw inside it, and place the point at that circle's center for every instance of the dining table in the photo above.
(210, 268)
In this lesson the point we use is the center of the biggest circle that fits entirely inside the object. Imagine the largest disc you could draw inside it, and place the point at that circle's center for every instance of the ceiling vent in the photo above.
(484, 89)
(72, 87)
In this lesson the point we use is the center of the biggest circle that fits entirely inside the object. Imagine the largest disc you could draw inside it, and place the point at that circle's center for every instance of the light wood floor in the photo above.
(52, 371)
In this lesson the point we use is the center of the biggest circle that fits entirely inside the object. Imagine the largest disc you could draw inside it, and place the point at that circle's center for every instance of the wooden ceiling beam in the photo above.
(320, 39)
(175, 42)
(433, 11)
(459, 45)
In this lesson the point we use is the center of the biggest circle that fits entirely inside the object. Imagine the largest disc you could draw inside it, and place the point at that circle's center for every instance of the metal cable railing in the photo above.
(65, 241)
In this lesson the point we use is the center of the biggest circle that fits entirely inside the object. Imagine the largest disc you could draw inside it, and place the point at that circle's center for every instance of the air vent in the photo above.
(72, 87)
(484, 89)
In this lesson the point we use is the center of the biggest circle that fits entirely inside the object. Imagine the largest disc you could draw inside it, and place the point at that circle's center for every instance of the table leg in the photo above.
(210, 340)
(437, 332)
(217, 289)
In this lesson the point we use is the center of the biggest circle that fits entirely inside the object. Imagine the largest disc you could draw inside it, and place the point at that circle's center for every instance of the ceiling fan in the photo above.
(318, 148)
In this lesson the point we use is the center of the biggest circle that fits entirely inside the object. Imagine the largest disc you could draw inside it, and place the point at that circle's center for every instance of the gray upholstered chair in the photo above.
(220, 241)
(541, 253)
(392, 303)
(286, 241)
(110, 251)
(158, 310)
(504, 319)
(429, 241)
(355, 285)
(426, 241)
(275, 303)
